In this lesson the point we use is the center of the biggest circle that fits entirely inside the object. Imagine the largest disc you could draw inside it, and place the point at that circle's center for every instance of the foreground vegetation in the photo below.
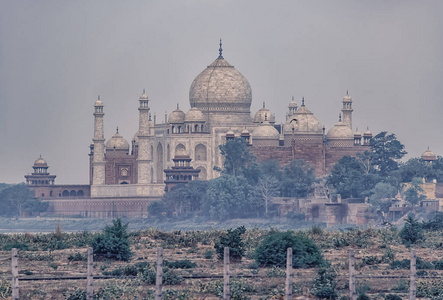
(191, 260)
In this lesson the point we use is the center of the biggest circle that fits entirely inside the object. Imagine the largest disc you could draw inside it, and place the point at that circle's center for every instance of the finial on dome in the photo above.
(117, 130)
(347, 94)
(264, 104)
(292, 98)
(303, 101)
(144, 91)
(220, 50)
(356, 129)
(98, 97)
(177, 106)
(339, 117)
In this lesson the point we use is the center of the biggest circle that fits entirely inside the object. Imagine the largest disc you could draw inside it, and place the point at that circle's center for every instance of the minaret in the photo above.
(98, 162)
(347, 110)
(143, 140)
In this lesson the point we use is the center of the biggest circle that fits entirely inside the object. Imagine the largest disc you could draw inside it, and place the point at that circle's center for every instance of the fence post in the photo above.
(413, 284)
(15, 290)
(289, 274)
(90, 278)
(352, 293)
(226, 290)
(159, 278)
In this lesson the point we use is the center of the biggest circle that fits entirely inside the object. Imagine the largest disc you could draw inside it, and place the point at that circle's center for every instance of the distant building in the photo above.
(220, 100)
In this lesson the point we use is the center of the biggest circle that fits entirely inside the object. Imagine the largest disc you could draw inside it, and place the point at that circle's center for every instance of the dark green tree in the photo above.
(382, 195)
(385, 153)
(414, 193)
(297, 179)
(234, 241)
(412, 231)
(231, 197)
(238, 160)
(272, 250)
(113, 242)
(325, 284)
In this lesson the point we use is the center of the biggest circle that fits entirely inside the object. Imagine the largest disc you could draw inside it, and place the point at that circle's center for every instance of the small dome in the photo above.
(428, 155)
(194, 115)
(264, 114)
(347, 98)
(292, 104)
(245, 132)
(357, 133)
(40, 162)
(340, 131)
(144, 96)
(98, 102)
(177, 117)
(117, 142)
(367, 132)
(304, 122)
(230, 133)
(265, 131)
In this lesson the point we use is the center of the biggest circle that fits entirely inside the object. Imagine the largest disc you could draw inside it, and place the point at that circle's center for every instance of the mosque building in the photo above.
(185, 146)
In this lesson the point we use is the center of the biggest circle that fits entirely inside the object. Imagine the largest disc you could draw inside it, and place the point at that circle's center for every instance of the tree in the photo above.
(113, 242)
(385, 152)
(229, 197)
(237, 158)
(381, 196)
(297, 179)
(18, 199)
(268, 187)
(412, 231)
(346, 177)
(414, 194)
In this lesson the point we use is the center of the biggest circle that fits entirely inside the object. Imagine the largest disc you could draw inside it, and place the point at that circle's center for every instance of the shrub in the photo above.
(113, 242)
(363, 296)
(412, 231)
(5, 289)
(392, 297)
(233, 240)
(272, 250)
(325, 284)
(170, 277)
(180, 264)
(208, 254)
(77, 257)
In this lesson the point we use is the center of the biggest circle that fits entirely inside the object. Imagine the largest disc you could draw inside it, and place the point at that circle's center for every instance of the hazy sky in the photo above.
(57, 56)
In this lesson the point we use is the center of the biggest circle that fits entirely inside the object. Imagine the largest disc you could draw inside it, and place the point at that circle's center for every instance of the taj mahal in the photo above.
(126, 176)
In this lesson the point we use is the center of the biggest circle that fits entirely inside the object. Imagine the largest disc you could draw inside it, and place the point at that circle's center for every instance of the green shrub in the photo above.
(233, 240)
(272, 251)
(275, 272)
(392, 297)
(180, 264)
(363, 296)
(170, 277)
(412, 231)
(237, 288)
(113, 242)
(406, 264)
(77, 257)
(325, 284)
(208, 254)
(5, 289)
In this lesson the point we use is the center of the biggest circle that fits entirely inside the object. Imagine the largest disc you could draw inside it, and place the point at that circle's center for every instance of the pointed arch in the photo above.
(180, 150)
(203, 175)
(200, 152)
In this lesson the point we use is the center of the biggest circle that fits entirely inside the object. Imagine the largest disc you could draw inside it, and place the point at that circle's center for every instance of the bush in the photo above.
(208, 254)
(412, 231)
(272, 250)
(77, 257)
(113, 242)
(392, 297)
(325, 284)
(233, 240)
(170, 277)
(180, 264)
(363, 296)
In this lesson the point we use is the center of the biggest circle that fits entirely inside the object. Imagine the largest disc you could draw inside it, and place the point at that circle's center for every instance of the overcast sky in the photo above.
(57, 56)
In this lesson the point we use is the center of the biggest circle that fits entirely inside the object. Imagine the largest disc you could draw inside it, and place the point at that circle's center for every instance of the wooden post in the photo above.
(289, 274)
(352, 293)
(90, 278)
(15, 290)
(159, 278)
(413, 283)
(226, 290)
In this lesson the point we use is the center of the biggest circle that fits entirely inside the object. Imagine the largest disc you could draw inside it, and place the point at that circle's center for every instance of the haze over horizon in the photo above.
(57, 56)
